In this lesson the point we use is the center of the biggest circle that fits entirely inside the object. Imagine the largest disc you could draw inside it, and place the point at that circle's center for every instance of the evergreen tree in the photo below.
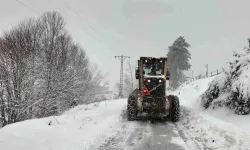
(178, 60)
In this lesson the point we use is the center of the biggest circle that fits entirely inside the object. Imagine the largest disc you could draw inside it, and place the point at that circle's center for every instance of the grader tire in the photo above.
(174, 108)
(131, 109)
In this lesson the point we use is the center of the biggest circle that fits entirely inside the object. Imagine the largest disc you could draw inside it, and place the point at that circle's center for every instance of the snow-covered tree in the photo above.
(178, 60)
(231, 88)
(130, 83)
(42, 71)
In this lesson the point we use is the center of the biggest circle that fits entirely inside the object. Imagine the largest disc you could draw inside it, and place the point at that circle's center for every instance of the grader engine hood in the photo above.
(154, 86)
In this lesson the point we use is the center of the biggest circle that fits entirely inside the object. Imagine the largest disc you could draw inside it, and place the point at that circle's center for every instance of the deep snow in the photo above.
(232, 87)
(189, 93)
(78, 128)
(208, 132)
(189, 98)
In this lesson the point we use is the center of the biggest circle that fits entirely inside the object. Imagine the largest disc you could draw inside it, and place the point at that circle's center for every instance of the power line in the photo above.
(63, 11)
(68, 15)
(122, 58)
(50, 1)
(26, 6)
(81, 18)
(206, 70)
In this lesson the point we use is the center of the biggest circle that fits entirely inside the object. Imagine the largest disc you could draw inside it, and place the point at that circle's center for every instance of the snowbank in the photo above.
(189, 93)
(78, 128)
(207, 128)
(225, 114)
(190, 97)
(231, 89)
(207, 132)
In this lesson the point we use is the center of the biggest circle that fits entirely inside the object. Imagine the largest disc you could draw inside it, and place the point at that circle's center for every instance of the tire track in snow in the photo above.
(140, 134)
(117, 141)
(143, 134)
(128, 136)
(191, 143)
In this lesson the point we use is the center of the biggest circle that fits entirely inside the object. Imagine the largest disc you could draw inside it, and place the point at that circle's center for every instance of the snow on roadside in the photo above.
(78, 128)
(225, 114)
(189, 93)
(189, 97)
(206, 128)
(178, 141)
(210, 133)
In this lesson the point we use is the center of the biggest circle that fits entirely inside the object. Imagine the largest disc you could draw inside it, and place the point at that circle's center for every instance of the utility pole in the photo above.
(248, 41)
(207, 70)
(192, 75)
(122, 58)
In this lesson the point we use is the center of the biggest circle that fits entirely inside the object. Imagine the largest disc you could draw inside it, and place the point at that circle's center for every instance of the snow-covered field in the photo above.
(78, 129)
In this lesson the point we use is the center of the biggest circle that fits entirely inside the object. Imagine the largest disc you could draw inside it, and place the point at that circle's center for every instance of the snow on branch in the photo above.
(231, 88)
(43, 72)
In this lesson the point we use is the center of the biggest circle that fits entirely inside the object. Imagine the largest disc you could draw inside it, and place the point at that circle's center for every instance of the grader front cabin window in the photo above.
(149, 66)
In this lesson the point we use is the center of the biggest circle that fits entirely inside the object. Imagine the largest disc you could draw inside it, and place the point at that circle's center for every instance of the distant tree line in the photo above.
(43, 72)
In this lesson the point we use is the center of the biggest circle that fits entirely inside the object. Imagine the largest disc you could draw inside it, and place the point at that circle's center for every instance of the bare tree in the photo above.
(129, 80)
(42, 71)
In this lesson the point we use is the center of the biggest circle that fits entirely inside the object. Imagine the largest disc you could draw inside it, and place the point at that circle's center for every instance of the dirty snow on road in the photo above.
(147, 136)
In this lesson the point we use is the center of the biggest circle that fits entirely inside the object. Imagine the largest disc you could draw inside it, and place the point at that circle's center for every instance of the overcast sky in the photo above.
(213, 28)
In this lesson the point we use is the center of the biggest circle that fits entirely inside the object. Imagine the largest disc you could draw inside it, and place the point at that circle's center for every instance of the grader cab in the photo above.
(150, 97)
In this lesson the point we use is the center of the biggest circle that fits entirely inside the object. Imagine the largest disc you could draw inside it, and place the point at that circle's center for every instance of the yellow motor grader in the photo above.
(150, 98)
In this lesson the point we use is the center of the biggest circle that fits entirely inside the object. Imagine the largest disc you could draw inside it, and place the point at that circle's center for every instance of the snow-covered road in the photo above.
(144, 135)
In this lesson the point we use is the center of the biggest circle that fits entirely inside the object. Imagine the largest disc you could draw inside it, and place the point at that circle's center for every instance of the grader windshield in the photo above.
(153, 67)
(149, 66)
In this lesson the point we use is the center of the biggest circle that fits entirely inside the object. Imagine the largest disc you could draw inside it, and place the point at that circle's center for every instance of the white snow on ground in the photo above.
(178, 141)
(189, 93)
(76, 129)
(207, 132)
(210, 129)
(240, 121)
(189, 97)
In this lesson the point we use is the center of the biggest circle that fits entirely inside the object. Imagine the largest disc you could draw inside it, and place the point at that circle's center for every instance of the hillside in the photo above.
(191, 97)
(231, 88)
